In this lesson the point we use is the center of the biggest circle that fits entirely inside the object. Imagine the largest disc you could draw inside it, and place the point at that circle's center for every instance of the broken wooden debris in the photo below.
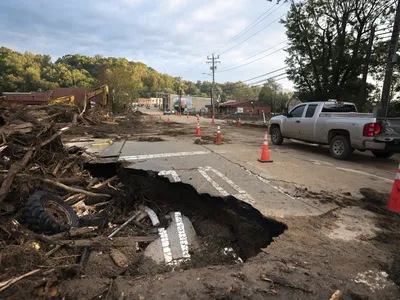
(102, 242)
(6, 284)
(336, 295)
(135, 214)
(119, 258)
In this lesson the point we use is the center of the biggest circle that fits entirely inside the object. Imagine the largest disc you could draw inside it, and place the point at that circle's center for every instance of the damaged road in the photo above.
(189, 221)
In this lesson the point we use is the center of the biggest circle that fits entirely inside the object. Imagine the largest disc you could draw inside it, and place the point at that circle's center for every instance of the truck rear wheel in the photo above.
(340, 147)
(379, 154)
(276, 136)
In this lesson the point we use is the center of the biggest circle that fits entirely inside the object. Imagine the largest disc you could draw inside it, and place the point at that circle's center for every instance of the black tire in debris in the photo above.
(49, 214)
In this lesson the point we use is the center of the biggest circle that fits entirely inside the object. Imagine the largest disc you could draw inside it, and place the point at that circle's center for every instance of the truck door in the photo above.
(292, 122)
(307, 123)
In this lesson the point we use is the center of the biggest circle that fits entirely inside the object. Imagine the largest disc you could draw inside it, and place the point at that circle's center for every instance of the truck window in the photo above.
(311, 110)
(336, 107)
(297, 112)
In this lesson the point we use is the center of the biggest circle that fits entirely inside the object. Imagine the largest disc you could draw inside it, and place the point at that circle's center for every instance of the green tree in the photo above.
(327, 45)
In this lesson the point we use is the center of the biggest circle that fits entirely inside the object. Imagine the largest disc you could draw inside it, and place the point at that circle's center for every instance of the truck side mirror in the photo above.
(285, 113)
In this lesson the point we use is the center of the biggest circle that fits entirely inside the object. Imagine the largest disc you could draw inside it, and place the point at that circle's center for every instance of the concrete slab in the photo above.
(209, 172)
(173, 245)
(113, 151)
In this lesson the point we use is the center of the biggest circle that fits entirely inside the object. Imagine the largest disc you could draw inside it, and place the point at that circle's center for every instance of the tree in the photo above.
(328, 43)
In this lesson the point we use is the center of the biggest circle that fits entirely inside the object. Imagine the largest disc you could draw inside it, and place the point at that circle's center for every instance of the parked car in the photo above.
(168, 111)
(338, 125)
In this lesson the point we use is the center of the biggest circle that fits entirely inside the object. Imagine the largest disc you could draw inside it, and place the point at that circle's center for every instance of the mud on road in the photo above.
(348, 248)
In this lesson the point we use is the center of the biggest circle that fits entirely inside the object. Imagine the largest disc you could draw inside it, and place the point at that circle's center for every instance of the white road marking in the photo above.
(214, 184)
(182, 236)
(160, 155)
(279, 189)
(165, 245)
(365, 173)
(175, 176)
(242, 194)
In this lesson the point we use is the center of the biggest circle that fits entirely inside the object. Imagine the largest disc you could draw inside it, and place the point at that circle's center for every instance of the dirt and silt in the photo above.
(291, 258)
(287, 259)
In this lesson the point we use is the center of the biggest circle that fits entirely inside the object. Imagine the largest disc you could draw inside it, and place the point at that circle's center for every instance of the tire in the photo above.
(276, 136)
(49, 214)
(378, 154)
(339, 147)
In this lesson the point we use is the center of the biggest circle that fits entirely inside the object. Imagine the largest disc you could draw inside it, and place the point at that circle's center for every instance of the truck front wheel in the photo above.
(276, 136)
(340, 147)
(379, 154)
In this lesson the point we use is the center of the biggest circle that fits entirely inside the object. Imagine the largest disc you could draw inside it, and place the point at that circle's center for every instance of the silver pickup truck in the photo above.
(338, 125)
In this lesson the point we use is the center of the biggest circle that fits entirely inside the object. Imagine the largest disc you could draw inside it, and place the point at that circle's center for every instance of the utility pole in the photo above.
(180, 95)
(385, 99)
(363, 88)
(275, 87)
(213, 61)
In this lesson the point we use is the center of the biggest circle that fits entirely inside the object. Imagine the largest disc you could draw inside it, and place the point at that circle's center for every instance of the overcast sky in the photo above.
(171, 36)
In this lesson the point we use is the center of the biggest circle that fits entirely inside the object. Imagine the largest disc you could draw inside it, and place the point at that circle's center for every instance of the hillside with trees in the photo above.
(25, 72)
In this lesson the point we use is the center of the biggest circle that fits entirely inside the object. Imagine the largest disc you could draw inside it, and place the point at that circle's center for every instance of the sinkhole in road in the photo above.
(220, 223)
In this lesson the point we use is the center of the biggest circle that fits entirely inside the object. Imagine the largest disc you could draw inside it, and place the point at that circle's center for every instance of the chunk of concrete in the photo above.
(175, 242)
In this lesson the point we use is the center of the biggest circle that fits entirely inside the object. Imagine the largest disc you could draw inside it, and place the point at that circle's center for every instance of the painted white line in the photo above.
(165, 245)
(173, 173)
(214, 184)
(279, 189)
(243, 195)
(182, 236)
(160, 155)
(365, 173)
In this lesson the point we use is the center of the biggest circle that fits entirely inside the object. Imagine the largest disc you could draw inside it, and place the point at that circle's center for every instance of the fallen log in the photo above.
(6, 284)
(14, 170)
(16, 128)
(104, 183)
(104, 242)
(73, 232)
(75, 190)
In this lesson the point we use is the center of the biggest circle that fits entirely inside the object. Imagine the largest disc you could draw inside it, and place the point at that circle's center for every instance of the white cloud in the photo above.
(168, 35)
(219, 9)
(174, 5)
(132, 2)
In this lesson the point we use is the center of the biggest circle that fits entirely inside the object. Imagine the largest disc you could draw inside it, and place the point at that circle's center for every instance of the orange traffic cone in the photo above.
(169, 121)
(212, 120)
(394, 200)
(218, 141)
(160, 117)
(198, 119)
(198, 131)
(239, 122)
(187, 116)
(265, 151)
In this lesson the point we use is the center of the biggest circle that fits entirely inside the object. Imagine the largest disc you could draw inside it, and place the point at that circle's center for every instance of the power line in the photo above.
(264, 74)
(265, 80)
(250, 26)
(272, 47)
(255, 83)
(253, 34)
(250, 62)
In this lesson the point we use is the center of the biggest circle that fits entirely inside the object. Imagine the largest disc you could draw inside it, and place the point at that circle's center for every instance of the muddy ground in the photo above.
(307, 261)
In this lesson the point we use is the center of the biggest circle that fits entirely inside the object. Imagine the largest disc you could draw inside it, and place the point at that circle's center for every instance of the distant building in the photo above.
(188, 103)
(31, 98)
(144, 101)
(245, 107)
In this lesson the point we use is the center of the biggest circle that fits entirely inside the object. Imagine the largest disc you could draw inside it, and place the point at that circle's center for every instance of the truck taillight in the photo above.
(371, 129)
